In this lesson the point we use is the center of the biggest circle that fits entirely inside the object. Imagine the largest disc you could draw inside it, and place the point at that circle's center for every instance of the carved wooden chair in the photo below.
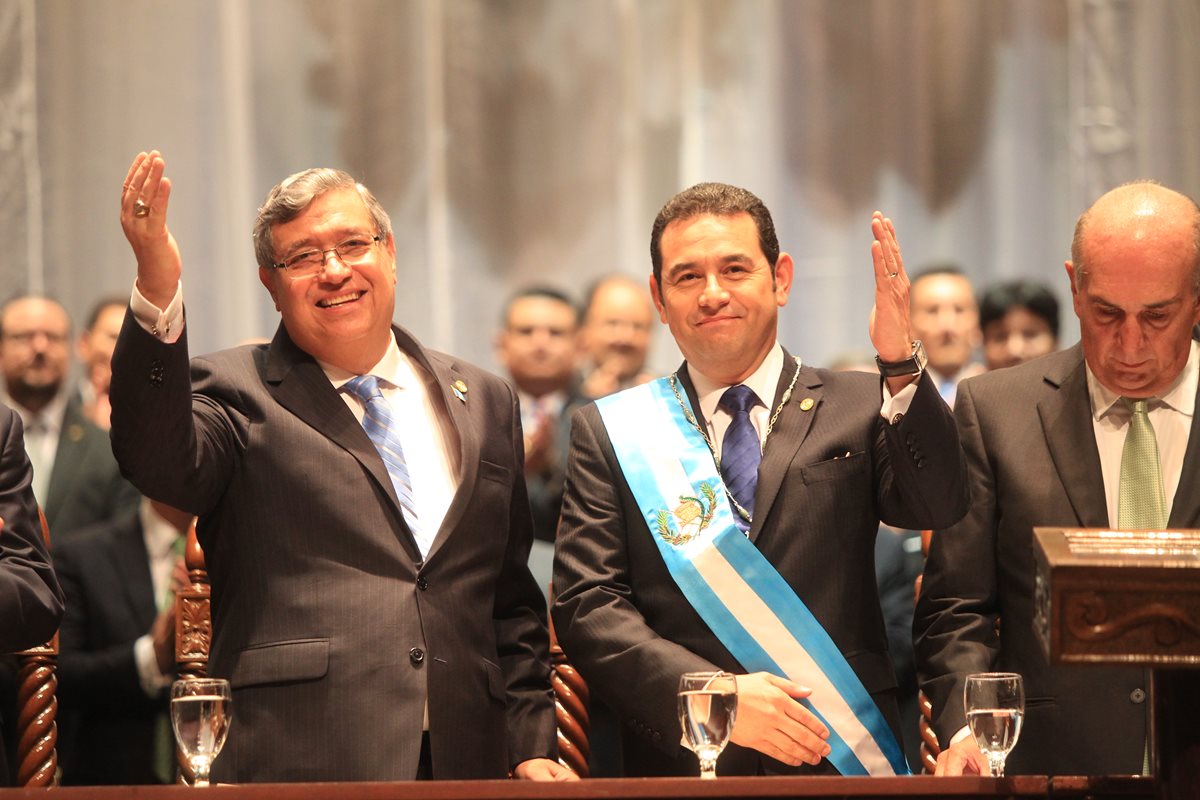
(570, 708)
(37, 708)
(193, 622)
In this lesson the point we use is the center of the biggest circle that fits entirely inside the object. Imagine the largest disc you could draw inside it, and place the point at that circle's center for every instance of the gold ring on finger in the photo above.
(140, 209)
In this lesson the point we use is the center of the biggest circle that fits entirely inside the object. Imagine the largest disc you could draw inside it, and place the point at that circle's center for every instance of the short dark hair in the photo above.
(544, 292)
(719, 199)
(105, 302)
(998, 300)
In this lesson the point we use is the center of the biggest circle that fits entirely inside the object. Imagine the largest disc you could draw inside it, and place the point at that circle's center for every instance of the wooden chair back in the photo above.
(193, 618)
(570, 708)
(37, 707)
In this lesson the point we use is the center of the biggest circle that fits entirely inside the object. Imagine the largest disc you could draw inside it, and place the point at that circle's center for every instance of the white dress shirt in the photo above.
(1171, 418)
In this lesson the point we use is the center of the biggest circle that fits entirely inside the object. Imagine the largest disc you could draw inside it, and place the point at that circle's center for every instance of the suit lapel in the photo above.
(1066, 415)
(299, 384)
(69, 457)
(1185, 509)
(786, 437)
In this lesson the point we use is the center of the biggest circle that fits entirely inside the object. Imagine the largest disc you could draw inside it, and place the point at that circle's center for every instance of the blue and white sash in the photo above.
(749, 607)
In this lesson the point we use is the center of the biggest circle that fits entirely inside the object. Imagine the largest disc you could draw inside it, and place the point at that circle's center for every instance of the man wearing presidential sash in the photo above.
(724, 517)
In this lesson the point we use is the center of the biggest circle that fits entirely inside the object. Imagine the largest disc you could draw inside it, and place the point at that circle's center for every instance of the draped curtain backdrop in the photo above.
(518, 141)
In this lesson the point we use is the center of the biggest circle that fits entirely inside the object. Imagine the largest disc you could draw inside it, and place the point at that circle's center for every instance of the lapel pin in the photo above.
(806, 404)
(460, 390)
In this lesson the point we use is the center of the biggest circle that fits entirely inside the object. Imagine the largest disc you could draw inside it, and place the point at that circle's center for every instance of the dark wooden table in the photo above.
(1025, 786)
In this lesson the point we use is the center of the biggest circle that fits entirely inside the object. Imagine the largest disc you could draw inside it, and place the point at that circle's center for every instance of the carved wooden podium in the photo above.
(1132, 598)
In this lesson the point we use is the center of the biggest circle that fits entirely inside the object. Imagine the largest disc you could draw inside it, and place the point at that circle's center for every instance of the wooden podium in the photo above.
(1131, 598)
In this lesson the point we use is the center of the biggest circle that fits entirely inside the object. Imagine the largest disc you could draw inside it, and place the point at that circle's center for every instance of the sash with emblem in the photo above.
(738, 593)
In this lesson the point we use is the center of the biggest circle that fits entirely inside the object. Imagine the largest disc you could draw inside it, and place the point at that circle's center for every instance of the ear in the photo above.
(1076, 298)
(390, 246)
(267, 278)
(784, 270)
(657, 298)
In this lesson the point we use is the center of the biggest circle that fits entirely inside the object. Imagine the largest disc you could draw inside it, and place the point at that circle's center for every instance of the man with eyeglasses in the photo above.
(75, 477)
(361, 506)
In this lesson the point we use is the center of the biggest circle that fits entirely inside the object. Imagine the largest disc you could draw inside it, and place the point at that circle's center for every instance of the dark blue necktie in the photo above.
(741, 451)
(377, 420)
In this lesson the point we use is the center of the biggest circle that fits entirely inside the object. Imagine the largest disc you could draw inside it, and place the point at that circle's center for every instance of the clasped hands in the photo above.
(771, 721)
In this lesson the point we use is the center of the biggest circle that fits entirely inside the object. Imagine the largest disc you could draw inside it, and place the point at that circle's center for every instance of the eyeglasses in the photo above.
(309, 262)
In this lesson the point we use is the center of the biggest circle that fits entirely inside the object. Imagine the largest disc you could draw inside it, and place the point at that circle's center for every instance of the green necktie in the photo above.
(1140, 504)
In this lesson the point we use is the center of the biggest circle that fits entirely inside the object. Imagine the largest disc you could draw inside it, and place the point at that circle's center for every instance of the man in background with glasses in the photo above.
(361, 506)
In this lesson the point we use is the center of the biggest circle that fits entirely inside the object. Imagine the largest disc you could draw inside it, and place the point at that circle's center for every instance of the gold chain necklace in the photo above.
(687, 413)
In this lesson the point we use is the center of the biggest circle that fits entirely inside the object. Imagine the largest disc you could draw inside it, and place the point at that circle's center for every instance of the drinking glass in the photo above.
(707, 710)
(995, 705)
(201, 709)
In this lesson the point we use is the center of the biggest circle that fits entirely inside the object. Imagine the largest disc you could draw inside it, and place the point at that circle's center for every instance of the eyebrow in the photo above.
(310, 242)
(1097, 299)
(675, 269)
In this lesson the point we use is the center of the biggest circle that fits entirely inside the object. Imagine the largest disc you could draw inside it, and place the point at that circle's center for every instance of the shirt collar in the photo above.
(1180, 396)
(394, 368)
(763, 381)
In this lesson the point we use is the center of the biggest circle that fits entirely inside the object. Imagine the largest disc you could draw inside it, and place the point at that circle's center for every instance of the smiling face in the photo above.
(719, 296)
(343, 314)
(1134, 288)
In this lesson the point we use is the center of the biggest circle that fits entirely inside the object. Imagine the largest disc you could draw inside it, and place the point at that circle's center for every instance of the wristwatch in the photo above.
(913, 365)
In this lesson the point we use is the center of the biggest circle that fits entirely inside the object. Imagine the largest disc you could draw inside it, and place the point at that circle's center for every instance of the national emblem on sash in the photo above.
(692, 515)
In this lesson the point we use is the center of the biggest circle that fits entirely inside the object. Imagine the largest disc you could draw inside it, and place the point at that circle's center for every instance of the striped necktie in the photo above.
(1140, 501)
(741, 451)
(377, 421)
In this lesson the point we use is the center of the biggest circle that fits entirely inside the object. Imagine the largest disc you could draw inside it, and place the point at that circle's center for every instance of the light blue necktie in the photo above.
(741, 451)
(377, 421)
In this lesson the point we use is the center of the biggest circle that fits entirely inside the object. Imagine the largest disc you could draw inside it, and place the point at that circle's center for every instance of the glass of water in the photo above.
(995, 704)
(201, 710)
(707, 710)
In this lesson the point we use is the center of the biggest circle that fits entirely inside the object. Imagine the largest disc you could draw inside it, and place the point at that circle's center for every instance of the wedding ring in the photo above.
(890, 274)
(140, 209)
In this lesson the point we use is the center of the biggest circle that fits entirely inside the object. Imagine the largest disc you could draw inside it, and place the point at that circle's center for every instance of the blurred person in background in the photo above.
(1019, 322)
(617, 322)
(946, 319)
(75, 476)
(94, 349)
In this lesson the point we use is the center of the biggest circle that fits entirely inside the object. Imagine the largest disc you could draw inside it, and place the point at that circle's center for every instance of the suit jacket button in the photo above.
(1137, 696)
(422, 584)
(157, 370)
(657, 736)
(416, 655)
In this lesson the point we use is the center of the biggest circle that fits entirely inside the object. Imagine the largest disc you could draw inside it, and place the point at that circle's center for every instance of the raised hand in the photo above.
(144, 198)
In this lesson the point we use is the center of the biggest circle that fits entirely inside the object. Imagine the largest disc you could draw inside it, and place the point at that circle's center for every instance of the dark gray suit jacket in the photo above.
(107, 721)
(85, 486)
(1032, 455)
(331, 629)
(31, 602)
(624, 622)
